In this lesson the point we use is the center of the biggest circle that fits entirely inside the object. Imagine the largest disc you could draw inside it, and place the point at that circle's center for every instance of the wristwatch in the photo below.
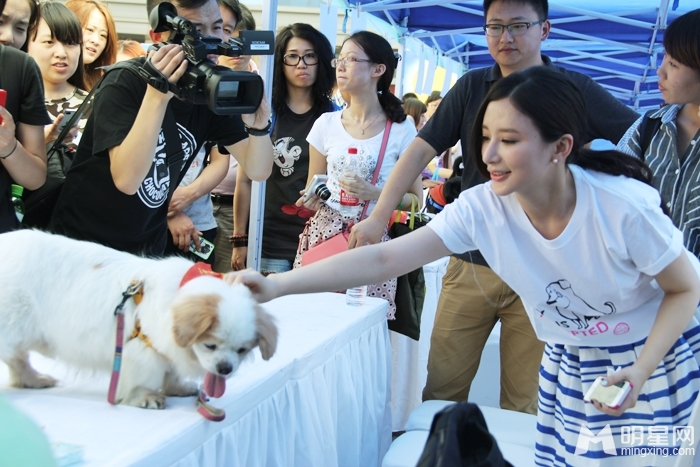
(259, 131)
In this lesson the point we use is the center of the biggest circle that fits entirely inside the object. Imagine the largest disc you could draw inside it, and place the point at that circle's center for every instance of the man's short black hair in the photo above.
(186, 4)
(541, 7)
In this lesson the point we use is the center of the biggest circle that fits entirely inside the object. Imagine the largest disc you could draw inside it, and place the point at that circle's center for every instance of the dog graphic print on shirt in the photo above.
(576, 311)
(155, 187)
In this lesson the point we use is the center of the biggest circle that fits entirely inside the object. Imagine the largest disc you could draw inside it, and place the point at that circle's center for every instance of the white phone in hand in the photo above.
(613, 395)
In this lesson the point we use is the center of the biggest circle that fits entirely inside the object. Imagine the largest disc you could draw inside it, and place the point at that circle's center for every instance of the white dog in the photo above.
(58, 297)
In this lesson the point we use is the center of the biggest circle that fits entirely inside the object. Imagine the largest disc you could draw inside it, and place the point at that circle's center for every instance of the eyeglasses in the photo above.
(515, 29)
(347, 61)
(294, 59)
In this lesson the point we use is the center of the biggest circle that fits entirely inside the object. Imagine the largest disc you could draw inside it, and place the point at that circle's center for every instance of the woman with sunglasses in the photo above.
(364, 71)
(302, 85)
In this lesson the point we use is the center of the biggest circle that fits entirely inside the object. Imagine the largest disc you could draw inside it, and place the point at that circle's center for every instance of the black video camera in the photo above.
(225, 91)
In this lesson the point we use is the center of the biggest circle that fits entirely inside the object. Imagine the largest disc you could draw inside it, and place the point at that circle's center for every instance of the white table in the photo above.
(322, 400)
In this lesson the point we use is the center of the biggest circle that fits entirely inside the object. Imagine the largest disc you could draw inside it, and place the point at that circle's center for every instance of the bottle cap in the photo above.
(17, 190)
(352, 150)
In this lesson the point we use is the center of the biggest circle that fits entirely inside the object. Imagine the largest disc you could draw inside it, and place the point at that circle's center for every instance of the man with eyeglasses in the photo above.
(473, 298)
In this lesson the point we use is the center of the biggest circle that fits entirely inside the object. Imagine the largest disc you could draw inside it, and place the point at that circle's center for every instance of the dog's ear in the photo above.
(193, 316)
(267, 332)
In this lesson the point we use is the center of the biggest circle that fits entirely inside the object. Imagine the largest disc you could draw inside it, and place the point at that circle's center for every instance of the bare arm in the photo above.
(132, 159)
(254, 154)
(25, 150)
(406, 171)
(241, 215)
(681, 287)
(341, 271)
(210, 177)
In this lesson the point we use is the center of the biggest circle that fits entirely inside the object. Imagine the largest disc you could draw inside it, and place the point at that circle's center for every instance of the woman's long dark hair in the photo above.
(556, 107)
(322, 89)
(65, 28)
(379, 51)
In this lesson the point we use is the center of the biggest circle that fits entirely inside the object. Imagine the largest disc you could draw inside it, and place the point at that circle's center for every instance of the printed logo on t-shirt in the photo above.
(285, 155)
(154, 190)
(577, 314)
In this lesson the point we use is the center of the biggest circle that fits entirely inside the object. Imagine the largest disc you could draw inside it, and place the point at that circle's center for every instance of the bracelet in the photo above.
(239, 240)
(259, 131)
(11, 152)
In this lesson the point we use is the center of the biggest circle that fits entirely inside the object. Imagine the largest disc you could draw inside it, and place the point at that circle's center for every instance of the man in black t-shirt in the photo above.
(138, 139)
(22, 150)
(473, 298)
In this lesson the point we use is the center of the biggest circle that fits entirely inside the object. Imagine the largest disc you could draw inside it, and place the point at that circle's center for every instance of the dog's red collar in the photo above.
(197, 270)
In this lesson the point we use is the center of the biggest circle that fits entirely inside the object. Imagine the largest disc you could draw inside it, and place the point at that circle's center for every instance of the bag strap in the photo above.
(375, 176)
(73, 118)
(647, 129)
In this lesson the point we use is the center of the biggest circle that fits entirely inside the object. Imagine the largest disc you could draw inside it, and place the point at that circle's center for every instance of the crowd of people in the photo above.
(540, 219)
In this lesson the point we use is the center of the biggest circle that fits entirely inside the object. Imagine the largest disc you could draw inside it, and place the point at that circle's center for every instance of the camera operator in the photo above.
(126, 168)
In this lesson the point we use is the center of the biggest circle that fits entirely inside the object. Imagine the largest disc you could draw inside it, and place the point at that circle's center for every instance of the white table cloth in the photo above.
(322, 400)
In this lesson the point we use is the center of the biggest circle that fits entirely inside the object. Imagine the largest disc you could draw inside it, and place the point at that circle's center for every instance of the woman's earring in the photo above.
(554, 161)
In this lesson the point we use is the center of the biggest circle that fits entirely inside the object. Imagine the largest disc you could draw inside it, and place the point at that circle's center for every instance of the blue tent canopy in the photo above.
(617, 43)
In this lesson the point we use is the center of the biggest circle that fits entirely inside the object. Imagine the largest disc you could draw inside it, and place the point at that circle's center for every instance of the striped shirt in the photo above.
(676, 177)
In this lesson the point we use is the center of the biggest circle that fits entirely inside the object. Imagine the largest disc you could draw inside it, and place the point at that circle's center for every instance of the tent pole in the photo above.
(257, 195)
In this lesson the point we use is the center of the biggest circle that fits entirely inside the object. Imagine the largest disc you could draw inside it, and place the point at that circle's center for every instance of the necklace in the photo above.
(370, 124)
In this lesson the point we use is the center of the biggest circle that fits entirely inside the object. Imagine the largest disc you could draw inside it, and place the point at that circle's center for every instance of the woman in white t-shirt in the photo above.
(364, 71)
(580, 236)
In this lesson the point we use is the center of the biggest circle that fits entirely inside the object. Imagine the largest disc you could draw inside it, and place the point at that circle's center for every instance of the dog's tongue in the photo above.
(214, 385)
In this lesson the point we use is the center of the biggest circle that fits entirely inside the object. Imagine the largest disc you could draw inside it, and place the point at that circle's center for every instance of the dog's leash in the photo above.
(135, 290)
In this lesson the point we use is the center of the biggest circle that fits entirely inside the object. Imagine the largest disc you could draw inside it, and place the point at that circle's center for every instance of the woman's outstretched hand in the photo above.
(263, 288)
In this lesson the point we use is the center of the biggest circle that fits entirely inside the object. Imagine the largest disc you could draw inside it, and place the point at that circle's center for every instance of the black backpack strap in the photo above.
(647, 129)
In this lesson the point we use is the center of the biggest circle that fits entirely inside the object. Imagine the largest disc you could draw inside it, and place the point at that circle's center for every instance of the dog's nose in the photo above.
(224, 368)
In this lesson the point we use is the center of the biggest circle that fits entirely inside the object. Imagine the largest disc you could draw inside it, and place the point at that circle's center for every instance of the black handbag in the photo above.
(410, 288)
(459, 437)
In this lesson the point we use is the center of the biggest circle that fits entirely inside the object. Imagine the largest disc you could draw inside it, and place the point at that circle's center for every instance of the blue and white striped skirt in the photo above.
(665, 402)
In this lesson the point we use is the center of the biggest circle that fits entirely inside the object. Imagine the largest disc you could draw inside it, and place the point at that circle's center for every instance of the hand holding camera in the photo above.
(169, 61)
(315, 194)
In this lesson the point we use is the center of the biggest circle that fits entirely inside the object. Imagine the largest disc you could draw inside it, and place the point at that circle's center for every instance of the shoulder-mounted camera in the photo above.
(225, 91)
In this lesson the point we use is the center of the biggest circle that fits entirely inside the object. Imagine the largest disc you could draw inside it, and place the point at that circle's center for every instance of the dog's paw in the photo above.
(35, 381)
(181, 389)
(151, 401)
(145, 399)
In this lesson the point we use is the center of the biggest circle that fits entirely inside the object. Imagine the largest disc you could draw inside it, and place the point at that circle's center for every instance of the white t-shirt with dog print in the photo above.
(592, 285)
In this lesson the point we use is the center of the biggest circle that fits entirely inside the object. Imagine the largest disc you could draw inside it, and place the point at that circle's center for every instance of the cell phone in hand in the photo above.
(67, 114)
(3, 100)
(205, 246)
(613, 395)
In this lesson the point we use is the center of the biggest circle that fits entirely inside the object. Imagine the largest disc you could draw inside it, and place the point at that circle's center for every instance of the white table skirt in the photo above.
(322, 400)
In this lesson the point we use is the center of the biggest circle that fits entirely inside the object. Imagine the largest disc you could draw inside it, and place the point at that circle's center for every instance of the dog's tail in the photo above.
(610, 305)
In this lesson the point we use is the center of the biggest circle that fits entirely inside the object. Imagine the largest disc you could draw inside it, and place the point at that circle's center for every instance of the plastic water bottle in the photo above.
(350, 205)
(17, 202)
(356, 296)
